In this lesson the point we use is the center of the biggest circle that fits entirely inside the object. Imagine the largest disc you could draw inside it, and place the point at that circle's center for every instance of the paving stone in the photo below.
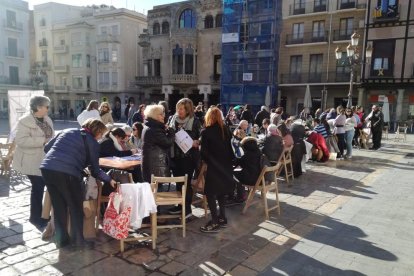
(157, 274)
(12, 250)
(52, 256)
(47, 247)
(173, 268)
(21, 238)
(242, 270)
(70, 261)
(35, 243)
(237, 251)
(221, 263)
(154, 265)
(3, 264)
(264, 257)
(10, 271)
(22, 256)
(31, 264)
(111, 266)
(140, 256)
(46, 270)
(5, 232)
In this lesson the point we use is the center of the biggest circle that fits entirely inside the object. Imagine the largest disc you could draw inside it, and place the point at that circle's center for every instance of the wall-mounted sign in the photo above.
(247, 76)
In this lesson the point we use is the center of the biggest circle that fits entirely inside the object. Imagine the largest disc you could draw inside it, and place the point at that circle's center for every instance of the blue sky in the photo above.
(139, 5)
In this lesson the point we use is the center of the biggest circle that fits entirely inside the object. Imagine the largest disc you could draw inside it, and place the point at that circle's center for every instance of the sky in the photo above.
(141, 6)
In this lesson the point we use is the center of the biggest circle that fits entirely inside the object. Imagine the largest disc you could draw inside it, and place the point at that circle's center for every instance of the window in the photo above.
(318, 31)
(103, 79)
(104, 30)
(76, 39)
(88, 83)
(265, 28)
(295, 68)
(11, 19)
(114, 30)
(217, 67)
(219, 20)
(165, 27)
(189, 60)
(187, 19)
(114, 78)
(319, 5)
(88, 61)
(347, 4)
(114, 55)
(42, 22)
(208, 22)
(297, 31)
(383, 58)
(299, 7)
(103, 55)
(156, 29)
(77, 82)
(315, 68)
(77, 61)
(342, 69)
(157, 67)
(44, 56)
(63, 81)
(177, 60)
(14, 74)
(87, 40)
(346, 28)
(12, 47)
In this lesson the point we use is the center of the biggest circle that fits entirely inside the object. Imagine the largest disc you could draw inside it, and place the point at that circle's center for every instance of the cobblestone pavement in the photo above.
(339, 218)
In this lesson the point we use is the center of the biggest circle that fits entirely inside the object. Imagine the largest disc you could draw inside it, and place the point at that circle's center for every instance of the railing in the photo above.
(104, 86)
(43, 43)
(42, 65)
(7, 80)
(184, 79)
(392, 14)
(311, 37)
(148, 80)
(318, 77)
(16, 53)
(61, 49)
(339, 35)
(13, 25)
(61, 68)
(356, 4)
(107, 38)
(63, 88)
(306, 8)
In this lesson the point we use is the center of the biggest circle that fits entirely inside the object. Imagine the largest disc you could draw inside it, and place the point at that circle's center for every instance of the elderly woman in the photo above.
(273, 144)
(67, 154)
(105, 113)
(185, 162)
(91, 112)
(157, 140)
(33, 131)
(216, 151)
(114, 144)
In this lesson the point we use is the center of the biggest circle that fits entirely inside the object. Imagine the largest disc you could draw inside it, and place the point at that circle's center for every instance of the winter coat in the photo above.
(108, 149)
(247, 115)
(273, 147)
(66, 153)
(260, 116)
(137, 117)
(94, 114)
(217, 153)
(107, 118)
(156, 144)
(30, 141)
(318, 142)
(250, 163)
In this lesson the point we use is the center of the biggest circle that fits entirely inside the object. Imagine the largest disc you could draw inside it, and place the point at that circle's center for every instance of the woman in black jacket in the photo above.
(113, 145)
(273, 144)
(157, 140)
(185, 163)
(217, 153)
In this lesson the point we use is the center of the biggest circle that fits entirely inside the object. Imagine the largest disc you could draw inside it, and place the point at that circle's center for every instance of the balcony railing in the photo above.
(62, 88)
(321, 77)
(43, 43)
(7, 80)
(107, 38)
(13, 25)
(339, 35)
(356, 4)
(184, 32)
(61, 49)
(42, 65)
(306, 8)
(15, 53)
(183, 79)
(392, 14)
(312, 37)
(148, 80)
(61, 68)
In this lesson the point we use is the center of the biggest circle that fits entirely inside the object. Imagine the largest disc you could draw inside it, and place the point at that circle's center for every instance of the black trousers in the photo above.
(36, 199)
(66, 195)
(183, 166)
(341, 143)
(376, 137)
(212, 205)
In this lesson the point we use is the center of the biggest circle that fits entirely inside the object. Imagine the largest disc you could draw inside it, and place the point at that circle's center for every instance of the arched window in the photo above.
(208, 22)
(177, 60)
(156, 29)
(219, 20)
(187, 19)
(189, 60)
(165, 27)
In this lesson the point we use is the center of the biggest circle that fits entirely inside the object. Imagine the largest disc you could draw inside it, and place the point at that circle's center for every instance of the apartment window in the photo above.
(342, 69)
(319, 5)
(77, 82)
(157, 67)
(114, 55)
(104, 30)
(76, 39)
(187, 19)
(103, 55)
(115, 78)
(14, 74)
(63, 81)
(88, 83)
(318, 31)
(346, 28)
(295, 68)
(189, 60)
(219, 20)
(315, 67)
(88, 61)
(115, 30)
(177, 60)
(44, 56)
(297, 31)
(347, 4)
(11, 19)
(383, 58)
(87, 40)
(77, 61)
(103, 78)
(12, 47)
(208, 22)
(299, 7)
(62, 42)
(156, 28)
(42, 22)
(165, 27)
(217, 66)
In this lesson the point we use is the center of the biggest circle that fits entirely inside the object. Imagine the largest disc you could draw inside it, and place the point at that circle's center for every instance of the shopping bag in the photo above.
(116, 223)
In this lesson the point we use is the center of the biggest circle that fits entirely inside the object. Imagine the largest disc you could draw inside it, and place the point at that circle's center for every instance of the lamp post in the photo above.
(354, 59)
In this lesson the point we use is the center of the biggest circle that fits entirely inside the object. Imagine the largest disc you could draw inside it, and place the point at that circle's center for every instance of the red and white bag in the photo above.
(116, 224)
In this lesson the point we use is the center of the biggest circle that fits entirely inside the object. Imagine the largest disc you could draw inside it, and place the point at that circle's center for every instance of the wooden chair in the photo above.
(198, 188)
(385, 132)
(401, 133)
(6, 155)
(168, 198)
(286, 164)
(264, 187)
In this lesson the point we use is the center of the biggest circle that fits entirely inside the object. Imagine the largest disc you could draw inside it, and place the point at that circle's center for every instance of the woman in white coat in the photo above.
(33, 131)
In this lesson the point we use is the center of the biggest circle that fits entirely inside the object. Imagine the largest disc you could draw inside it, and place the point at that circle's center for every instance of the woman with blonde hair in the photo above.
(105, 113)
(91, 112)
(217, 153)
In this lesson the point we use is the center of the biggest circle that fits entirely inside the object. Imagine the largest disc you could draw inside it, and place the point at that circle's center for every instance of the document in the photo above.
(183, 140)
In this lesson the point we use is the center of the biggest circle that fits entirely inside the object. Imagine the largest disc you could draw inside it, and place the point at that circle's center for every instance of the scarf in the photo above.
(116, 144)
(45, 127)
(186, 123)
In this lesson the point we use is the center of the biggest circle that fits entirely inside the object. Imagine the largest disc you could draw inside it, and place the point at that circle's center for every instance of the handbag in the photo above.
(116, 222)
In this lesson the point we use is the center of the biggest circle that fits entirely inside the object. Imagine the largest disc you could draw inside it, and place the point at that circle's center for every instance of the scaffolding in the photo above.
(250, 52)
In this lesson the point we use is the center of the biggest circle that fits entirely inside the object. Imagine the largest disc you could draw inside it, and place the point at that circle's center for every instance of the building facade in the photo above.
(86, 53)
(312, 30)
(390, 71)
(182, 53)
(14, 49)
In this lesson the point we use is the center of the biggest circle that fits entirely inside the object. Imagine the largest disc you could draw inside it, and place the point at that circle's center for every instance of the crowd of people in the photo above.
(238, 139)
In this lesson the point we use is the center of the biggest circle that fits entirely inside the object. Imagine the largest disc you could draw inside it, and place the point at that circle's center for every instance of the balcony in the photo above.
(303, 38)
(4, 80)
(341, 35)
(144, 40)
(356, 4)
(148, 80)
(61, 49)
(107, 38)
(306, 8)
(45, 65)
(187, 33)
(43, 42)
(320, 77)
(392, 14)
(13, 53)
(13, 25)
(62, 89)
(61, 68)
(183, 79)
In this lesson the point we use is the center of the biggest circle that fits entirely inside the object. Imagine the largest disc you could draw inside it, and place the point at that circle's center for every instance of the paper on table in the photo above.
(183, 140)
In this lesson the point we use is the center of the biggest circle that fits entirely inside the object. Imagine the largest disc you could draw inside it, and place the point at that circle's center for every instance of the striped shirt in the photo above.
(321, 130)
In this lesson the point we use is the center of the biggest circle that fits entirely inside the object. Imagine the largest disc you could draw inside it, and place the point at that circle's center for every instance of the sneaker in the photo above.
(176, 210)
(210, 227)
(349, 157)
(222, 222)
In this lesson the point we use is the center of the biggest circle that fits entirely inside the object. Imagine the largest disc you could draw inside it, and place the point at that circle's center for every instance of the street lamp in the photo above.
(354, 60)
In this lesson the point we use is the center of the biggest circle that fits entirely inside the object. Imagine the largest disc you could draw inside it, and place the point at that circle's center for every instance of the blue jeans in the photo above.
(349, 136)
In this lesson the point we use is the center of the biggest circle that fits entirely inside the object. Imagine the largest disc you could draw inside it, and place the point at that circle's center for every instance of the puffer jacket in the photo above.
(273, 147)
(66, 153)
(30, 140)
(156, 144)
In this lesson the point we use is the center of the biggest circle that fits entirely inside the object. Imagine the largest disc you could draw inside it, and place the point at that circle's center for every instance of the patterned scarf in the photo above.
(45, 127)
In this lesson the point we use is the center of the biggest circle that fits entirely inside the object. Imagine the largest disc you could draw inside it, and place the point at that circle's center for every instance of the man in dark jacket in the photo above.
(377, 122)
(261, 115)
